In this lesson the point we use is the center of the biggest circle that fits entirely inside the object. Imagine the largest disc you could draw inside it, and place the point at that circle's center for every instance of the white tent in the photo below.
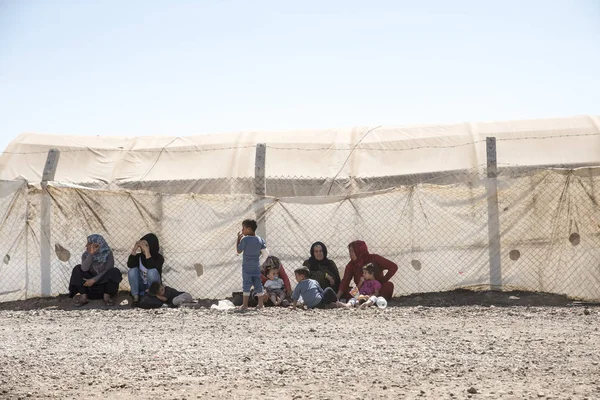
(358, 152)
(419, 196)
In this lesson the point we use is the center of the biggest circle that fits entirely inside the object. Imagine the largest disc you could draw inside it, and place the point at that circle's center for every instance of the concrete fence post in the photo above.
(260, 186)
(491, 186)
(46, 223)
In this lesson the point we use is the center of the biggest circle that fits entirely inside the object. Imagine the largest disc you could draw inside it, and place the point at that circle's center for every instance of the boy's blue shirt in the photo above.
(311, 292)
(251, 247)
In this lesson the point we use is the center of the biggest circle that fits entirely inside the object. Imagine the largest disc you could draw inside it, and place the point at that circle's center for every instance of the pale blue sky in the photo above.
(191, 67)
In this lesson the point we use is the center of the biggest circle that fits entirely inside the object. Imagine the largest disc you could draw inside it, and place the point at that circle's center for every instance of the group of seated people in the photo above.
(98, 278)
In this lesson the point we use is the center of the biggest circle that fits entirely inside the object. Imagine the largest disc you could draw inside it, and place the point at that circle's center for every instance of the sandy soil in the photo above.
(402, 352)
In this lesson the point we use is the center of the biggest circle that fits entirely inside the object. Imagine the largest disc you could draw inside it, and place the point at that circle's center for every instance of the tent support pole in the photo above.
(491, 186)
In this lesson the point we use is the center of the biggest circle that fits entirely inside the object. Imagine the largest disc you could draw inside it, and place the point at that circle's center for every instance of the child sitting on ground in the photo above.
(311, 292)
(368, 287)
(168, 295)
(274, 285)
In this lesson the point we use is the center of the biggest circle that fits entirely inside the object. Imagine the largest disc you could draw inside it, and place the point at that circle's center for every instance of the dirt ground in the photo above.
(456, 345)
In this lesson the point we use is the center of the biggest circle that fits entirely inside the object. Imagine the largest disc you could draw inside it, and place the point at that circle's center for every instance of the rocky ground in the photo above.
(407, 351)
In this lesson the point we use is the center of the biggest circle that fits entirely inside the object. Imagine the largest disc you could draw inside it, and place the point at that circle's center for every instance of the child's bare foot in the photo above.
(260, 306)
(242, 308)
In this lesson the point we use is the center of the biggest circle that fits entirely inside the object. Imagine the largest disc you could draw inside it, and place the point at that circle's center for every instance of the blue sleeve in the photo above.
(242, 245)
(296, 293)
(263, 244)
(319, 287)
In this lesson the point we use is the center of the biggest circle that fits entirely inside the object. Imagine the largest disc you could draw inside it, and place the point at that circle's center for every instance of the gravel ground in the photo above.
(410, 352)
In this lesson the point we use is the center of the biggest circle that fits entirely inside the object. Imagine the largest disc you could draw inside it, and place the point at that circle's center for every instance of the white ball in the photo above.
(381, 302)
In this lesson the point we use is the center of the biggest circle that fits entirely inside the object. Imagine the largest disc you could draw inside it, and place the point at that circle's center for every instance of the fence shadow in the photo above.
(478, 297)
(456, 298)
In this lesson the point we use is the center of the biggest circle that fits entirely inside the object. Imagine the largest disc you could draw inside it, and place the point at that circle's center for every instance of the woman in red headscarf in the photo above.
(359, 257)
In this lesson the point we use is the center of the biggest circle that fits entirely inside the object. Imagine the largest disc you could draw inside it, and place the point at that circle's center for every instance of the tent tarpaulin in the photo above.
(540, 234)
(356, 152)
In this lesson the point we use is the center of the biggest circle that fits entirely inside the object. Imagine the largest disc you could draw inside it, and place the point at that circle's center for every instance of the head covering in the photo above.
(270, 261)
(361, 251)
(103, 251)
(153, 245)
(313, 263)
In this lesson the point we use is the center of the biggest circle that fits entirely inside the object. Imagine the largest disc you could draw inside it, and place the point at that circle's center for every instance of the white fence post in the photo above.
(260, 186)
(491, 186)
(46, 223)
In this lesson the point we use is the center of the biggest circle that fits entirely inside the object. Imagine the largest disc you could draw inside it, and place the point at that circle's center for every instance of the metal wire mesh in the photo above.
(434, 227)
(13, 237)
(550, 231)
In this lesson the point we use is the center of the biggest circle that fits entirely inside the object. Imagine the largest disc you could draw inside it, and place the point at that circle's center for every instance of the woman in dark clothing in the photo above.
(96, 277)
(322, 269)
(359, 257)
(145, 266)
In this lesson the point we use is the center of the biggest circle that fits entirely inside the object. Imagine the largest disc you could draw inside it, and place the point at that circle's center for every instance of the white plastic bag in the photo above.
(223, 305)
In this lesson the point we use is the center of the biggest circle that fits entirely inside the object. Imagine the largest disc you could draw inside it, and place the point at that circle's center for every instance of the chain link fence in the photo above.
(550, 228)
(436, 227)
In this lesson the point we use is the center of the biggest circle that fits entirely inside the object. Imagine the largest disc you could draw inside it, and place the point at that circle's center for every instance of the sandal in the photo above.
(80, 303)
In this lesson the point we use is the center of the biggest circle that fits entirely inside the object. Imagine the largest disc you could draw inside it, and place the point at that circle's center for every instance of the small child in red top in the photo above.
(368, 287)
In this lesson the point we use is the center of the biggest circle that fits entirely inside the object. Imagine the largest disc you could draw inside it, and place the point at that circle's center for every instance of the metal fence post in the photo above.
(491, 186)
(260, 186)
(46, 222)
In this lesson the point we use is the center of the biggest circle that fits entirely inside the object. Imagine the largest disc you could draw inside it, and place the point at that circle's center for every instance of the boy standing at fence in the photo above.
(251, 245)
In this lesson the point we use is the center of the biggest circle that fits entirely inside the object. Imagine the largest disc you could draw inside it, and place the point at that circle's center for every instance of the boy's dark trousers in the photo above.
(329, 297)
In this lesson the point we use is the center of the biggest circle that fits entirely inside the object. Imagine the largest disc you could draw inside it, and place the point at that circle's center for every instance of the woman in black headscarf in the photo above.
(322, 269)
(145, 266)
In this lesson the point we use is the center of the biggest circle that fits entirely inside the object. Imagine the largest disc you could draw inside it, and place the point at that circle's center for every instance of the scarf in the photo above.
(270, 261)
(103, 251)
(153, 245)
(362, 253)
(313, 262)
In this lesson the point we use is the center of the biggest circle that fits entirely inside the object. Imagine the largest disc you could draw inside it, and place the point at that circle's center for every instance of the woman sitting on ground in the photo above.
(359, 257)
(96, 277)
(322, 269)
(145, 266)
